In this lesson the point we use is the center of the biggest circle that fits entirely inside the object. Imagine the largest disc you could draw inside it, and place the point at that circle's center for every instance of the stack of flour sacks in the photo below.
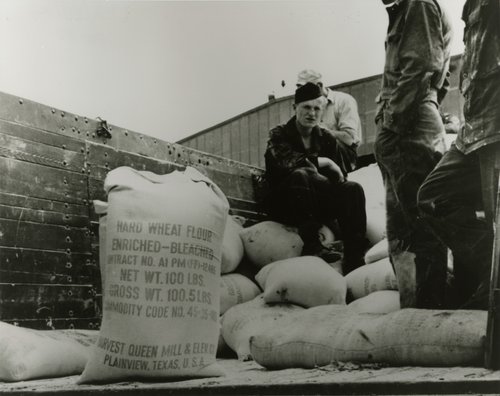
(282, 280)
(300, 311)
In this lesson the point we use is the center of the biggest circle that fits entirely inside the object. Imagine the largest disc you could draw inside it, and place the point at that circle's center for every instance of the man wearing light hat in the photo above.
(307, 167)
(341, 116)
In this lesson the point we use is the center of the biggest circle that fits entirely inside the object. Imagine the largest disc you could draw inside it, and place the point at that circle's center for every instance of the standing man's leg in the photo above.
(418, 257)
(450, 201)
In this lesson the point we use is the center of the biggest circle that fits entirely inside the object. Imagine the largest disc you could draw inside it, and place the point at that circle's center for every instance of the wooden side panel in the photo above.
(245, 140)
(53, 165)
(263, 134)
(234, 130)
(254, 138)
(47, 271)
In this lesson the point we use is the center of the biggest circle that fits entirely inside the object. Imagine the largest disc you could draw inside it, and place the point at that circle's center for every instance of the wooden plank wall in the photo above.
(52, 166)
(254, 125)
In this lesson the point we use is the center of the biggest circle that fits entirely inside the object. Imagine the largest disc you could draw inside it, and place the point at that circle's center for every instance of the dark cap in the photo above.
(307, 92)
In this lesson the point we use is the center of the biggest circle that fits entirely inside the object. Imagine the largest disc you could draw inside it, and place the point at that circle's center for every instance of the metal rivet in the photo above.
(21, 101)
(53, 111)
(62, 114)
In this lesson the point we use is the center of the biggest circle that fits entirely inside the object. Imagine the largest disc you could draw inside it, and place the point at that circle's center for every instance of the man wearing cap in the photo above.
(411, 140)
(307, 167)
(340, 116)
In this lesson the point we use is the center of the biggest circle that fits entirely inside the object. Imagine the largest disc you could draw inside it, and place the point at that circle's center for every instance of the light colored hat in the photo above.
(309, 75)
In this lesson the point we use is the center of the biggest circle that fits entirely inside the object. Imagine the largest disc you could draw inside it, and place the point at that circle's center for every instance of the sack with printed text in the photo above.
(161, 277)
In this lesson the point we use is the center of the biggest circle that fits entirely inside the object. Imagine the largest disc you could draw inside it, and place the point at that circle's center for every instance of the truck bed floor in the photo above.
(248, 378)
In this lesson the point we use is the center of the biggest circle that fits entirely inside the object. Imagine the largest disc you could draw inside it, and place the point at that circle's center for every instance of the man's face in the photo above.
(309, 113)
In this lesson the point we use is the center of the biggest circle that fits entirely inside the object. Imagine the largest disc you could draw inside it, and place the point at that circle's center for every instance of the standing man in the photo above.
(451, 198)
(410, 142)
(307, 167)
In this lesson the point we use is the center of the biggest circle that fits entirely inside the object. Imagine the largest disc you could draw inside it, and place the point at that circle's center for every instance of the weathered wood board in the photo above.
(52, 166)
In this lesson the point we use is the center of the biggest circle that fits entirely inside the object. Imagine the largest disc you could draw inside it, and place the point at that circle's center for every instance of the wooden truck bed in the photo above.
(52, 166)
(248, 378)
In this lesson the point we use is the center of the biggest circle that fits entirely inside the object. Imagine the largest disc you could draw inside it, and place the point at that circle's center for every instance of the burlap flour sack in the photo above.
(307, 281)
(242, 321)
(27, 354)
(269, 241)
(377, 252)
(413, 337)
(371, 180)
(162, 273)
(383, 301)
(232, 246)
(370, 278)
(236, 289)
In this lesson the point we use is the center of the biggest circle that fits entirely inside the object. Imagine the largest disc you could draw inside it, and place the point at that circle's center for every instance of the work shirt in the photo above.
(480, 76)
(416, 63)
(285, 151)
(341, 117)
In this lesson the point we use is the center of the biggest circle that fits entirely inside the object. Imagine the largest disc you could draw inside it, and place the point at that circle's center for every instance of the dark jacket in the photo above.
(480, 77)
(285, 151)
(416, 63)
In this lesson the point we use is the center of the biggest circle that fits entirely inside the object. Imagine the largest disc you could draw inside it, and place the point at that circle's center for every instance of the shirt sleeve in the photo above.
(420, 55)
(349, 124)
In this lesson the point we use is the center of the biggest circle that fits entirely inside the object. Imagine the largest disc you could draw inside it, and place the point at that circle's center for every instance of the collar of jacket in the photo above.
(295, 137)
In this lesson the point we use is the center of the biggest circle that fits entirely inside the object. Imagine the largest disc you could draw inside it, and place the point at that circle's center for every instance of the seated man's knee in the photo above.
(354, 188)
(305, 176)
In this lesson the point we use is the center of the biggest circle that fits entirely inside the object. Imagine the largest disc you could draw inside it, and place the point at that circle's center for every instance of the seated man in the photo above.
(340, 116)
(307, 167)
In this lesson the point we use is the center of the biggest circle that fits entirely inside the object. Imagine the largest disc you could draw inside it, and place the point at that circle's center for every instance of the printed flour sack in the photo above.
(162, 273)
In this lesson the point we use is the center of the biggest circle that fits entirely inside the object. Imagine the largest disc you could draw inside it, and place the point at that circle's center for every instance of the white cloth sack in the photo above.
(162, 273)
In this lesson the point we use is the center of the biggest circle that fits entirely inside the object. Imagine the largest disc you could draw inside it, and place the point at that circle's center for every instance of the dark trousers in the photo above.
(307, 199)
(418, 257)
(449, 201)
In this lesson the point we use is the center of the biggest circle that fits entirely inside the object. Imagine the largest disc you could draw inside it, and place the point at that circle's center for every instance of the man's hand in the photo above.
(330, 169)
